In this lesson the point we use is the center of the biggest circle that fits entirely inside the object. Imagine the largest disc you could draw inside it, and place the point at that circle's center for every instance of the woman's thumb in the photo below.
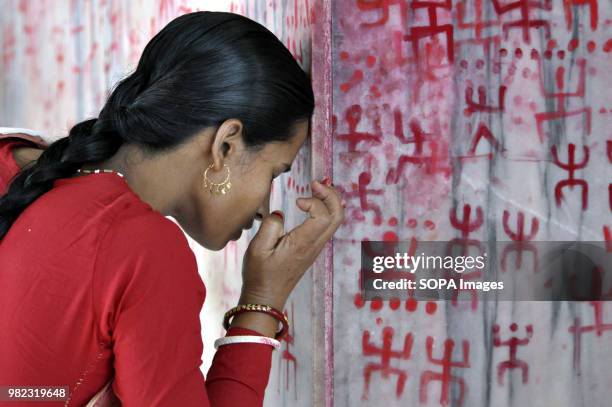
(272, 228)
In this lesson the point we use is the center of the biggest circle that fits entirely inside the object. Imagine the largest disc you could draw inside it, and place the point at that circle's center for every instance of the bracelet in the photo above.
(239, 309)
(228, 340)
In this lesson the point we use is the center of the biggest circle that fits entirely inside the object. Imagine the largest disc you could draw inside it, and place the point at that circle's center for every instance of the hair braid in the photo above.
(60, 160)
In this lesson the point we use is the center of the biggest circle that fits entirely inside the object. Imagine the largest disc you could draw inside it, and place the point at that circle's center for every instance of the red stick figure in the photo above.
(513, 343)
(520, 240)
(386, 354)
(466, 225)
(570, 167)
(445, 376)
(561, 97)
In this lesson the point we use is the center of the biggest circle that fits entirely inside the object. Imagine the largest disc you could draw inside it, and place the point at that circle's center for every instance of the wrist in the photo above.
(260, 322)
(249, 298)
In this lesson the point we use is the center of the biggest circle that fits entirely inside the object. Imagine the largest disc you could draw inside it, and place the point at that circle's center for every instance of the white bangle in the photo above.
(228, 340)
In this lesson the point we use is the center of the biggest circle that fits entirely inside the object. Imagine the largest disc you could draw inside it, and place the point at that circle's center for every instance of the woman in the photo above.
(97, 283)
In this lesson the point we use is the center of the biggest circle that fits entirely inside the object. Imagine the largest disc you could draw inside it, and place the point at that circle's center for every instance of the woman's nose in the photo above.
(264, 210)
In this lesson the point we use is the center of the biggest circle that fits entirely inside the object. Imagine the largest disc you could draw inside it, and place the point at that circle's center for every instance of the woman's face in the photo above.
(215, 219)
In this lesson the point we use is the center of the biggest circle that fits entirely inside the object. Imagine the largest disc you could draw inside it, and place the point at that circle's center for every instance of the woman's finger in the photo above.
(313, 227)
(331, 198)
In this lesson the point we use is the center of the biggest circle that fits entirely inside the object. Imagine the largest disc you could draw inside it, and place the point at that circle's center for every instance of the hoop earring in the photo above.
(217, 188)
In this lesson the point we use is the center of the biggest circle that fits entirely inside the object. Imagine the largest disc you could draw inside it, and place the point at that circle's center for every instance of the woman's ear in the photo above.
(226, 140)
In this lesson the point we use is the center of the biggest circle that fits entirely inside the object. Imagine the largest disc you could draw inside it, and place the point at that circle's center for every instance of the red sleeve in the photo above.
(151, 295)
(239, 373)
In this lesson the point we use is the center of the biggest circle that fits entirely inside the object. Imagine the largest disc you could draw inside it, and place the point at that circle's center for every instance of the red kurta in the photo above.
(94, 282)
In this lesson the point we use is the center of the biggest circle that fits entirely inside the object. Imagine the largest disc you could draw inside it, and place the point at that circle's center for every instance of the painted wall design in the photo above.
(470, 119)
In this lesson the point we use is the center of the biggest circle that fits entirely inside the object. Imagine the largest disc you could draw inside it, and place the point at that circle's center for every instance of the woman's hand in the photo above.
(274, 261)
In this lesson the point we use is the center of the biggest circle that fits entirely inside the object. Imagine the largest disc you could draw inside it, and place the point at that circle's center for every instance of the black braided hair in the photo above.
(201, 69)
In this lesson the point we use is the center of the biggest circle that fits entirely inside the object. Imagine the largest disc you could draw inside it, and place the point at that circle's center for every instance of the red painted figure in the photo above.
(513, 343)
(445, 377)
(386, 354)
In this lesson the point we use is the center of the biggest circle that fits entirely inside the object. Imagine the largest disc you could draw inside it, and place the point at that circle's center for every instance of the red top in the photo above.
(94, 280)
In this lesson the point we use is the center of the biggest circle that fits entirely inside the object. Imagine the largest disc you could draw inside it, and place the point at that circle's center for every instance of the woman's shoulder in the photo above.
(147, 227)
(147, 236)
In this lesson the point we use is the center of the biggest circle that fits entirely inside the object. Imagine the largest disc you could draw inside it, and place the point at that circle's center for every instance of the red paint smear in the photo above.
(358, 301)
(518, 53)
(356, 78)
(376, 304)
(431, 307)
(77, 29)
(390, 237)
(559, 77)
(411, 304)
(591, 46)
(573, 44)
(608, 46)
(518, 100)
(375, 92)
(23, 6)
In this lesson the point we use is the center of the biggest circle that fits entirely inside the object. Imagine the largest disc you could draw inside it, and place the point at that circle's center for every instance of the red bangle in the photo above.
(240, 308)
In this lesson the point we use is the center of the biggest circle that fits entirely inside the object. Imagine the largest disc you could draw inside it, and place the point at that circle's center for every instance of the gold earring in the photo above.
(215, 188)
